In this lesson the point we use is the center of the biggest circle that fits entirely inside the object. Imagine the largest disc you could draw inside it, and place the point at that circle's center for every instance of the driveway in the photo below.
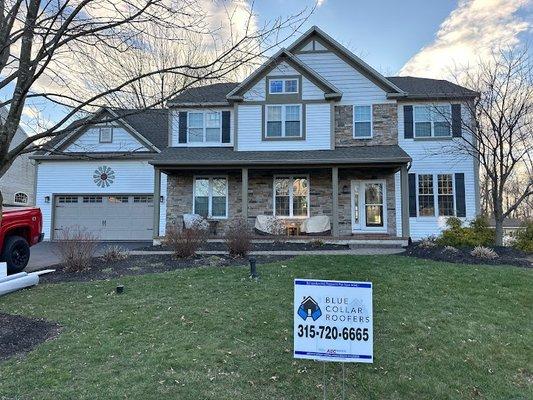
(44, 254)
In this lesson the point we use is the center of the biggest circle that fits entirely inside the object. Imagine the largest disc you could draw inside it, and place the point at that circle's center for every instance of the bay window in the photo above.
(211, 197)
(291, 196)
(283, 121)
(204, 127)
(362, 122)
(432, 121)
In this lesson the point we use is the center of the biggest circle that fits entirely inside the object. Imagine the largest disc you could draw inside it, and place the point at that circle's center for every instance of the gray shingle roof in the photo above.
(215, 93)
(416, 88)
(223, 156)
(430, 88)
(151, 124)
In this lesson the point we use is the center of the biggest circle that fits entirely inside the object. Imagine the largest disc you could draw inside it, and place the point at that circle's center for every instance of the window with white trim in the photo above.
(106, 134)
(204, 127)
(211, 197)
(362, 122)
(291, 196)
(21, 198)
(432, 121)
(445, 195)
(282, 86)
(283, 121)
(426, 201)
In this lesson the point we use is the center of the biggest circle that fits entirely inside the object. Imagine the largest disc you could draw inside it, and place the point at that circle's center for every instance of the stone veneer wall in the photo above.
(384, 126)
(260, 195)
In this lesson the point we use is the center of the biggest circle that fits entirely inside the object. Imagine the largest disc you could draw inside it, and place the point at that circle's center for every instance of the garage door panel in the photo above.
(115, 217)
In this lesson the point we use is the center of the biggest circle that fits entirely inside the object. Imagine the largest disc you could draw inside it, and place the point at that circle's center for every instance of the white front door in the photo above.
(369, 206)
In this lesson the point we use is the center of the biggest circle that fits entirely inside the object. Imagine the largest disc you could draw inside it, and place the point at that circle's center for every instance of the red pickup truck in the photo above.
(20, 229)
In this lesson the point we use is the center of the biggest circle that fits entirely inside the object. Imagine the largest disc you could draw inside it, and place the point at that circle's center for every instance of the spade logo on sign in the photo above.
(309, 309)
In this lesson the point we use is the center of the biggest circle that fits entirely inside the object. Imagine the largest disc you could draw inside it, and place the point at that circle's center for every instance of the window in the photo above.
(118, 199)
(362, 121)
(211, 197)
(67, 199)
(374, 204)
(426, 202)
(280, 86)
(204, 127)
(21, 198)
(432, 121)
(283, 121)
(291, 196)
(445, 195)
(92, 199)
(106, 134)
(143, 199)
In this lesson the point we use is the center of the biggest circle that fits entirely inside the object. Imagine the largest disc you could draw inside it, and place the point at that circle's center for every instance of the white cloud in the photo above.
(470, 32)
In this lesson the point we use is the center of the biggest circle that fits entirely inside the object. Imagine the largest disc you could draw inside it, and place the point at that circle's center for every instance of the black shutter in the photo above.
(408, 122)
(182, 122)
(460, 194)
(226, 138)
(412, 195)
(456, 120)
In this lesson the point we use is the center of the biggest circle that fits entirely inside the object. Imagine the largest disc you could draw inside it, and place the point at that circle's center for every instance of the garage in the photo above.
(108, 217)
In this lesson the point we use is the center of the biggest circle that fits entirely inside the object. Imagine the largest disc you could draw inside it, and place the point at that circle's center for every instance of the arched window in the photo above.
(21, 198)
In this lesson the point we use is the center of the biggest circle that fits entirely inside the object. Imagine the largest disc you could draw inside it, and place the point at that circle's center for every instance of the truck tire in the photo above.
(16, 254)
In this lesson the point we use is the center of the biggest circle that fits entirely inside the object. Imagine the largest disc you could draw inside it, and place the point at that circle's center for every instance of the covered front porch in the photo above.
(359, 197)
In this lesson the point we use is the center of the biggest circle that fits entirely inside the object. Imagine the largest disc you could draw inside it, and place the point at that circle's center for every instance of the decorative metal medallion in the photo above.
(104, 176)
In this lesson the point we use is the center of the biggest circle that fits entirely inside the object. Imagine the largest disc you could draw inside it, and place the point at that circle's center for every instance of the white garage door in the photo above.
(117, 217)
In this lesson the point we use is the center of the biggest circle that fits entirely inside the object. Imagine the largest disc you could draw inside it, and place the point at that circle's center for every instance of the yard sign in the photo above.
(333, 320)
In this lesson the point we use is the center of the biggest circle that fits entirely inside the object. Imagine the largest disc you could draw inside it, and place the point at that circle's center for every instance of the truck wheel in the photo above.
(16, 254)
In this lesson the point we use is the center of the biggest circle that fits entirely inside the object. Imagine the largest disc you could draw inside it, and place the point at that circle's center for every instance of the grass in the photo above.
(441, 331)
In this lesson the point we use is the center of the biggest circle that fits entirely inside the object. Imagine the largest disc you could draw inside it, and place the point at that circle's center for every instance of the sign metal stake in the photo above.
(343, 382)
(324, 378)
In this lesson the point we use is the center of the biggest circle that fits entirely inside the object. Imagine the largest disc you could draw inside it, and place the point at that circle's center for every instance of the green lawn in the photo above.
(440, 331)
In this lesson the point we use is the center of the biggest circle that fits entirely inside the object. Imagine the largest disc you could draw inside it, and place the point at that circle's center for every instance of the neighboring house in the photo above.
(18, 183)
(98, 176)
(315, 131)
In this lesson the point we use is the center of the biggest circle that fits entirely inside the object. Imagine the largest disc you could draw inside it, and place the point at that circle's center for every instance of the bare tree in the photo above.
(499, 130)
(81, 55)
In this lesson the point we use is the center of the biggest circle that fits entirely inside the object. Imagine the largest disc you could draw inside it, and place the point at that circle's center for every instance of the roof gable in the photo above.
(148, 127)
(330, 91)
(330, 44)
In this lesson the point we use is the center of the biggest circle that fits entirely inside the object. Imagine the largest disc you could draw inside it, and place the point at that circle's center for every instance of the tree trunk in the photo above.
(499, 230)
(1, 206)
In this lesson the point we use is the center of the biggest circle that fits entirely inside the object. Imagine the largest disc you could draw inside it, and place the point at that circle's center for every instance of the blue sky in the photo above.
(387, 33)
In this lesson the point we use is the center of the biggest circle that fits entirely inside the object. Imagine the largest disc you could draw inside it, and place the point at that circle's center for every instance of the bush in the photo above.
(185, 242)
(484, 252)
(450, 250)
(524, 238)
(114, 253)
(76, 247)
(316, 243)
(238, 237)
(477, 234)
(427, 243)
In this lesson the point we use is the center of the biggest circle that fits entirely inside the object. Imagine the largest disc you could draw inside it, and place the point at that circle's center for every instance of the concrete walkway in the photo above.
(354, 252)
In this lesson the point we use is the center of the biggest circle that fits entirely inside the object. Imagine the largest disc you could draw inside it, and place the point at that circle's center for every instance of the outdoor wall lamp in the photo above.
(161, 199)
(345, 190)
(47, 199)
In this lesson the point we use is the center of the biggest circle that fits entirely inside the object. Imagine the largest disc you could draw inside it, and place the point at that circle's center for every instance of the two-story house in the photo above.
(315, 131)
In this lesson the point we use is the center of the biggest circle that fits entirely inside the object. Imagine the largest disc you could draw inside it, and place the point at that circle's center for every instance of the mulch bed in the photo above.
(507, 255)
(20, 335)
(273, 246)
(146, 264)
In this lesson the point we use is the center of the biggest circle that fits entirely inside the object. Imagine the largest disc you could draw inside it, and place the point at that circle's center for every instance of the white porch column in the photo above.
(157, 201)
(335, 201)
(404, 188)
